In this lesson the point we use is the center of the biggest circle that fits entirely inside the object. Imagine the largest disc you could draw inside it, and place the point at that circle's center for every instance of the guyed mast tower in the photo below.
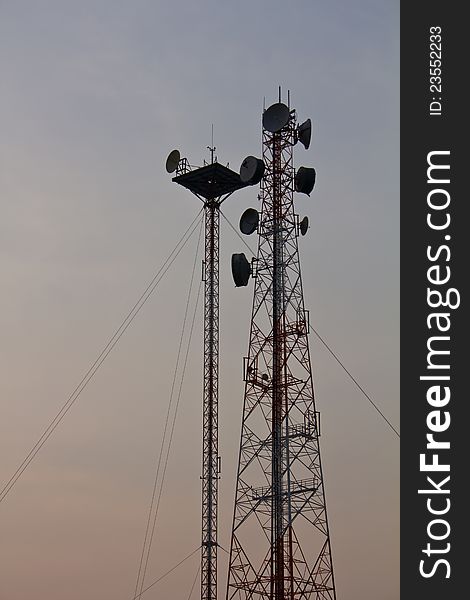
(280, 543)
(212, 183)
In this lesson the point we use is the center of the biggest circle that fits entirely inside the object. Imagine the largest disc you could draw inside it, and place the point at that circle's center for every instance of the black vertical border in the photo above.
(421, 133)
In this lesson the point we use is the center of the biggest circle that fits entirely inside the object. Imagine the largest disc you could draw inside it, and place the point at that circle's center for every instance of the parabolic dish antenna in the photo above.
(172, 161)
(240, 269)
(252, 170)
(303, 225)
(249, 221)
(305, 180)
(275, 117)
(304, 133)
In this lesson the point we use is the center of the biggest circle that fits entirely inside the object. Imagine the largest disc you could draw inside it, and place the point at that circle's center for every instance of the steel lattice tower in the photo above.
(213, 183)
(280, 546)
(210, 453)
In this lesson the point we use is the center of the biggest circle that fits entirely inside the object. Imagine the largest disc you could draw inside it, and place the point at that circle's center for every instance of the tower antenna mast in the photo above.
(280, 545)
(212, 184)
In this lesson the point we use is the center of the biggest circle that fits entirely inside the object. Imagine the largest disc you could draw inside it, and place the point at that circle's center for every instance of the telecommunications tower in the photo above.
(212, 184)
(280, 545)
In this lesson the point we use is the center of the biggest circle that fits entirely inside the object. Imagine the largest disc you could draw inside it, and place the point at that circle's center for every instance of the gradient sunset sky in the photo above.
(95, 93)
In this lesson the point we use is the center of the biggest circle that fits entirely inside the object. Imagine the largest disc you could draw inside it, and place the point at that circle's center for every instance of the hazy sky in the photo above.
(94, 96)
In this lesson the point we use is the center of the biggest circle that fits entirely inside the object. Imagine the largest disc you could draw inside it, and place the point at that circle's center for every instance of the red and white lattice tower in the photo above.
(212, 183)
(280, 545)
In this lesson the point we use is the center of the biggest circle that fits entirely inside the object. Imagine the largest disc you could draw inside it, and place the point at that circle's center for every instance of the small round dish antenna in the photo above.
(304, 133)
(249, 221)
(275, 117)
(303, 226)
(240, 270)
(305, 180)
(252, 170)
(172, 161)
